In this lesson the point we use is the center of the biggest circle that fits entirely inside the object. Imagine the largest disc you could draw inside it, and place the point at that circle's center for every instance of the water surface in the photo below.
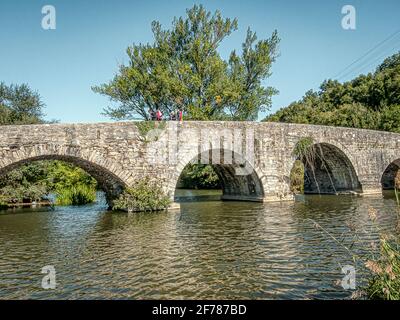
(205, 250)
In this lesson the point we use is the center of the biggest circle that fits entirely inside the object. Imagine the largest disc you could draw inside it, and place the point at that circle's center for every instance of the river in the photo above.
(204, 250)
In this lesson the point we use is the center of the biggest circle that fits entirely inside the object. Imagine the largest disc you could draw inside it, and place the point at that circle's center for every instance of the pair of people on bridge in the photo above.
(174, 115)
(155, 115)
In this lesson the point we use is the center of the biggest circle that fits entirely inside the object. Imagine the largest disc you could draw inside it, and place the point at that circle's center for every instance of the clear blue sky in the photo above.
(91, 38)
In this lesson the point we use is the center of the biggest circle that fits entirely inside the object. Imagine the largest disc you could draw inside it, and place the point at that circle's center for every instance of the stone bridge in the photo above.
(252, 159)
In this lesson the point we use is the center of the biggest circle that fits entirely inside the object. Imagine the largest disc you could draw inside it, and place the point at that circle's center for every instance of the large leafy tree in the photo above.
(20, 105)
(182, 69)
(369, 101)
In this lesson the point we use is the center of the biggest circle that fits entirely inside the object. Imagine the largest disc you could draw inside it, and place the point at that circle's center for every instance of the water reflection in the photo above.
(207, 249)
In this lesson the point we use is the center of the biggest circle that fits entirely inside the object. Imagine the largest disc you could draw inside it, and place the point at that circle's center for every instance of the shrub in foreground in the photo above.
(144, 196)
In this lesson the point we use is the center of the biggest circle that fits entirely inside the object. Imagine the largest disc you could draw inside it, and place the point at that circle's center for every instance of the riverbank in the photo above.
(10, 206)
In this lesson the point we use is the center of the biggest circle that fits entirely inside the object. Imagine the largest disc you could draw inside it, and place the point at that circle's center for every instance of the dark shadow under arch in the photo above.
(332, 172)
(389, 175)
(107, 181)
(238, 178)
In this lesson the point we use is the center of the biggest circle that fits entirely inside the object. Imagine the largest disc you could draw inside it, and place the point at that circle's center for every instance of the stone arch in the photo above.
(389, 174)
(239, 179)
(110, 179)
(333, 172)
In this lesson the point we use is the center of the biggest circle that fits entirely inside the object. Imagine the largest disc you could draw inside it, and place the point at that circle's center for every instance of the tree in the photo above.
(25, 184)
(369, 101)
(182, 69)
(20, 105)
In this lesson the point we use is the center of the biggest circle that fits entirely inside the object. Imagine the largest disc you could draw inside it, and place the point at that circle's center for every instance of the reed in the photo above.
(77, 195)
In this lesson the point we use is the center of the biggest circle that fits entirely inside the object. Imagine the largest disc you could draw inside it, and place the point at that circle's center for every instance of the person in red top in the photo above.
(159, 115)
(180, 113)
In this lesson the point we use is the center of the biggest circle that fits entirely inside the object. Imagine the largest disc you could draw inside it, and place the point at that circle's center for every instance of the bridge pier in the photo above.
(370, 185)
(372, 191)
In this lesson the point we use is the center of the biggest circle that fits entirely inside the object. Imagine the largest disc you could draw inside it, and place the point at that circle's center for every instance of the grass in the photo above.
(385, 282)
(75, 196)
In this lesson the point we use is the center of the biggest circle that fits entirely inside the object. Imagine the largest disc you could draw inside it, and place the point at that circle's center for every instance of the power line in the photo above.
(368, 52)
(369, 62)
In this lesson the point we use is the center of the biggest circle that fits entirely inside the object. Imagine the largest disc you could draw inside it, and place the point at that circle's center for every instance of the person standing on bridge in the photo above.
(172, 116)
(159, 115)
(152, 115)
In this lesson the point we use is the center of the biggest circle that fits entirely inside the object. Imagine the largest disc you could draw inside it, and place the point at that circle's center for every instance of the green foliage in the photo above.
(146, 195)
(306, 154)
(26, 175)
(390, 118)
(64, 176)
(145, 127)
(182, 69)
(72, 185)
(35, 181)
(24, 194)
(76, 195)
(199, 176)
(385, 283)
(19, 105)
(297, 178)
(369, 101)
(26, 184)
(304, 148)
(3, 202)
